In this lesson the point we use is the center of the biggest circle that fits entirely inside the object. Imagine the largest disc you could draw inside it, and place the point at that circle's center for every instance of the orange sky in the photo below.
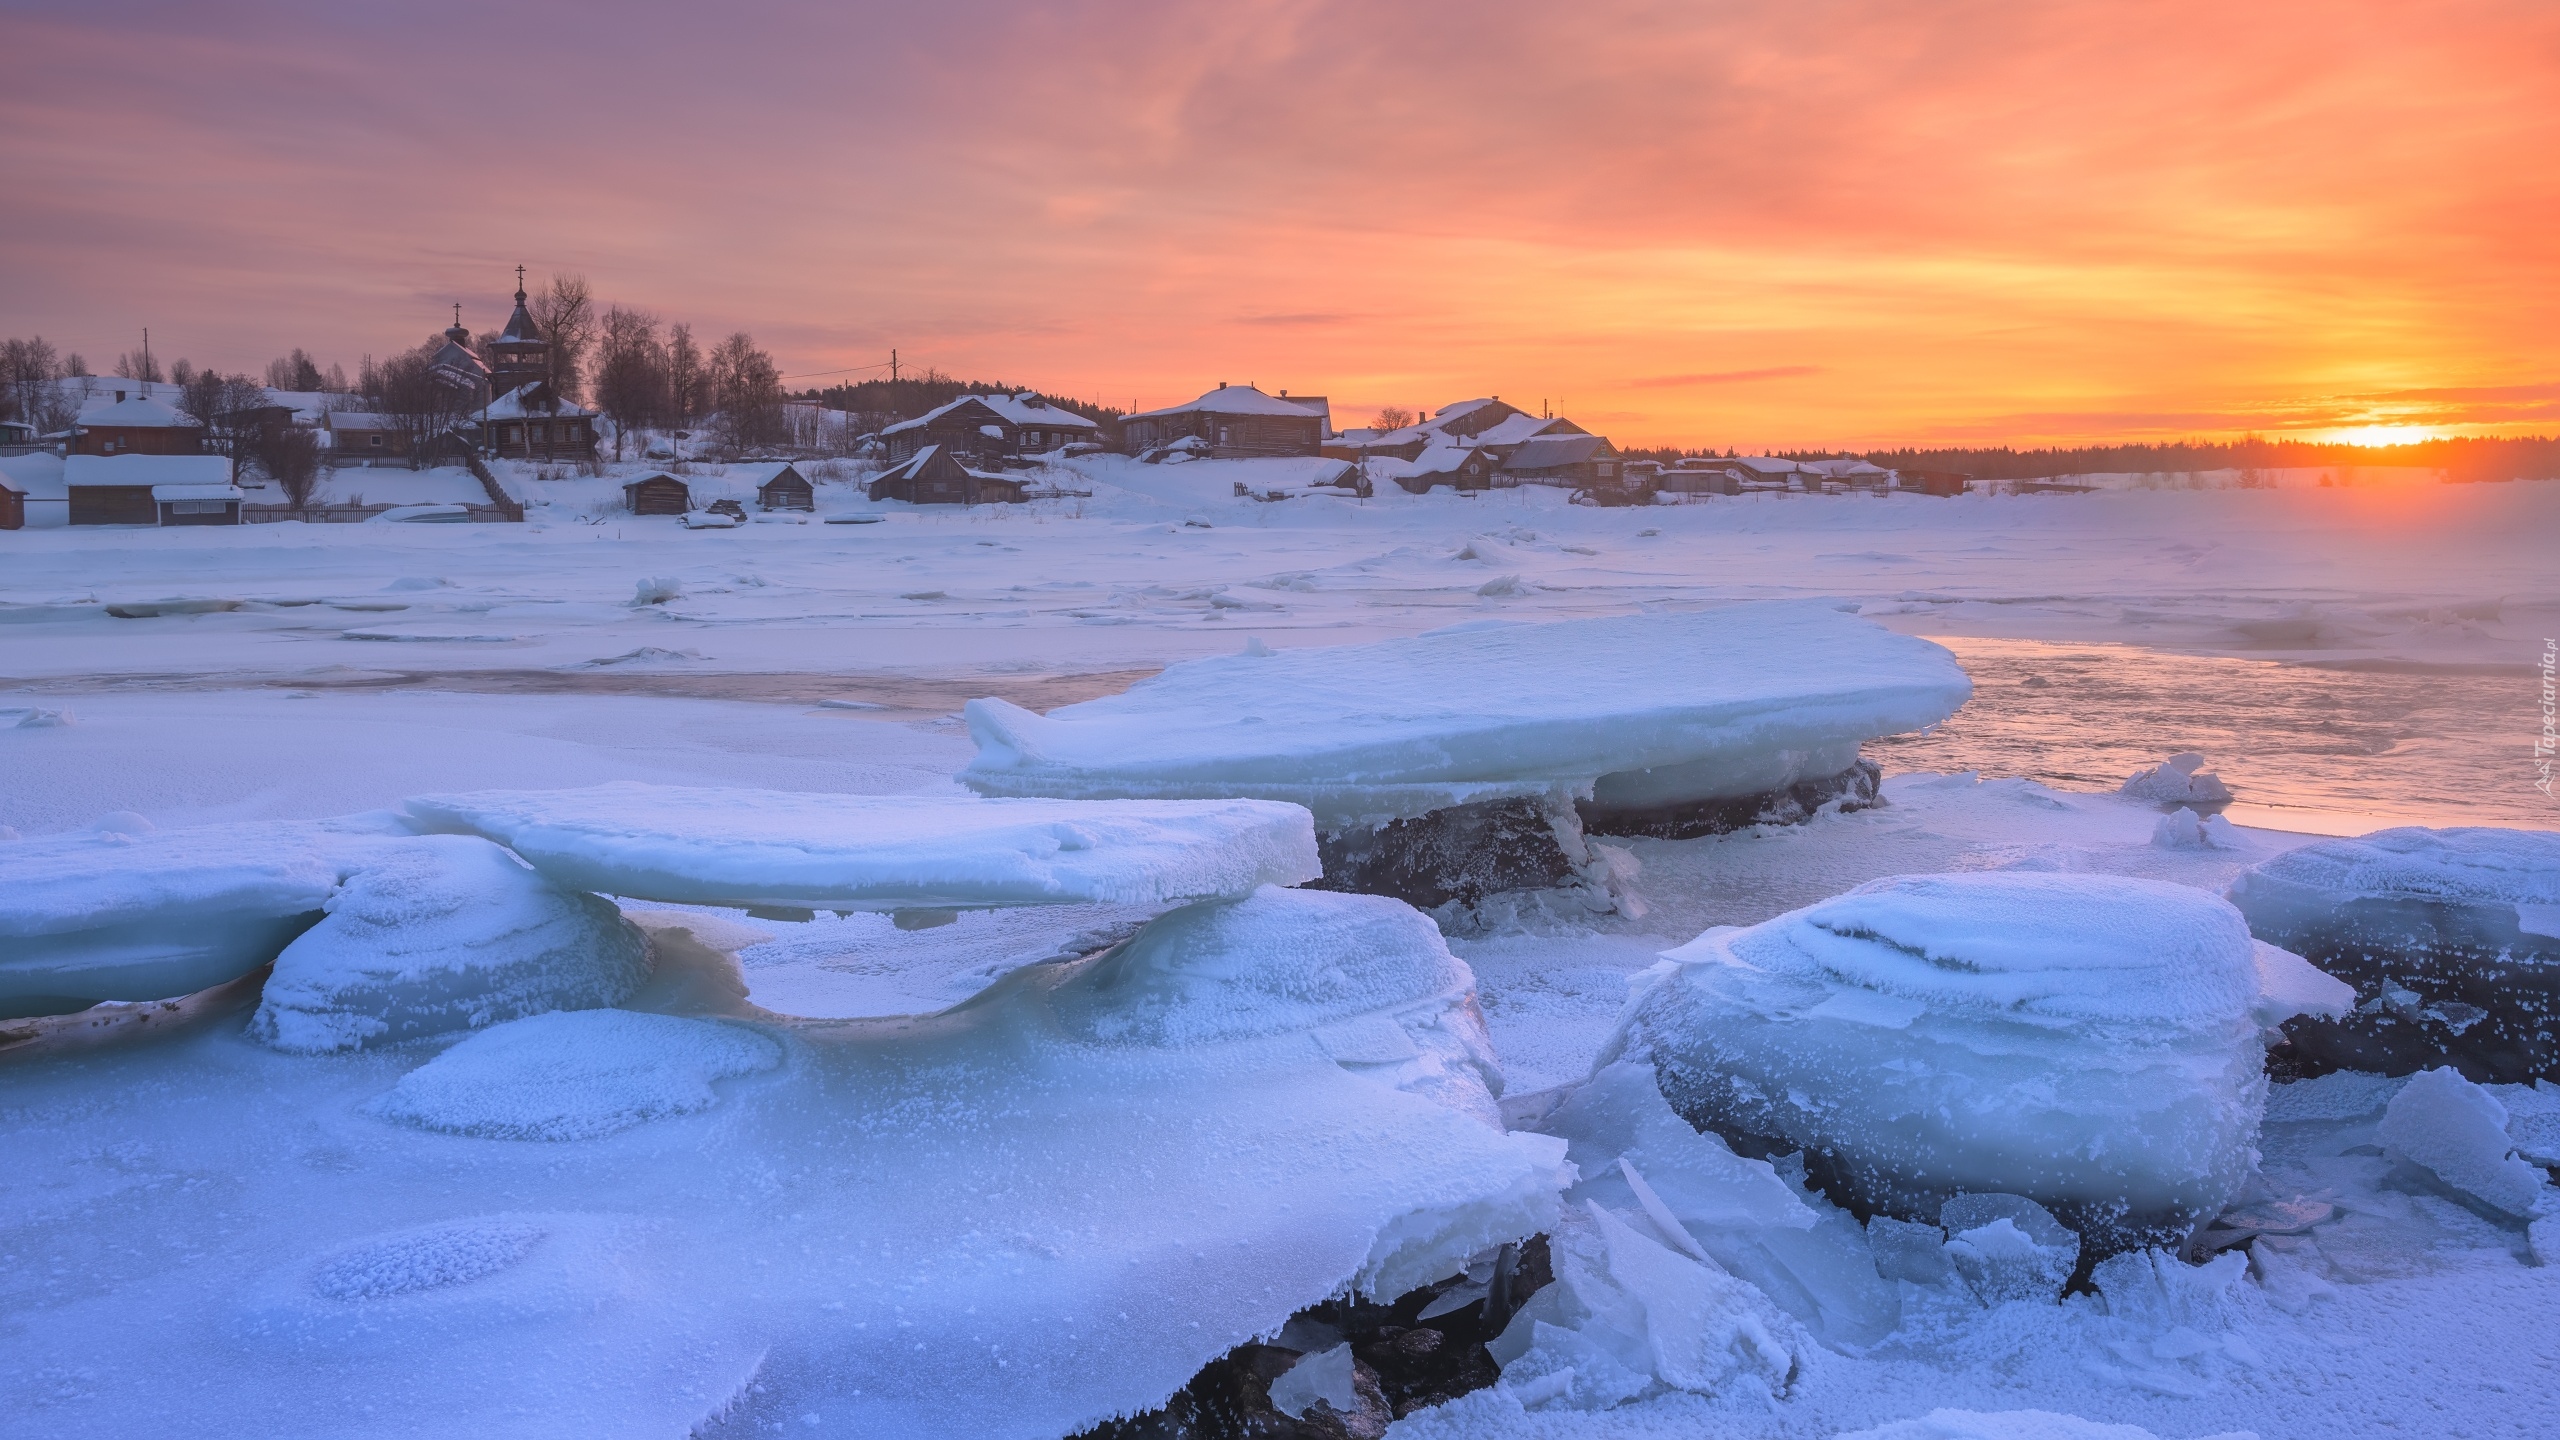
(1781, 222)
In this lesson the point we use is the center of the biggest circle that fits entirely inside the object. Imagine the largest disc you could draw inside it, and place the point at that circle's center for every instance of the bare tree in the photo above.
(746, 388)
(686, 384)
(290, 455)
(631, 371)
(297, 371)
(208, 395)
(29, 385)
(1392, 417)
(73, 367)
(420, 403)
(138, 365)
(566, 316)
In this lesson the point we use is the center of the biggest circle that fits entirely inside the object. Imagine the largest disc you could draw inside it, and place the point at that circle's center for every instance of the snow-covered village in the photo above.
(1157, 723)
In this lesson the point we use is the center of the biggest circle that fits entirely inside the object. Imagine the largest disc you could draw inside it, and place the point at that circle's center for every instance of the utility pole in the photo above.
(893, 365)
(146, 359)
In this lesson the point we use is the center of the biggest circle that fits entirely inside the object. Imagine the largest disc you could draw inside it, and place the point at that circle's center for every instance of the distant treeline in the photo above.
(2536, 458)
(909, 397)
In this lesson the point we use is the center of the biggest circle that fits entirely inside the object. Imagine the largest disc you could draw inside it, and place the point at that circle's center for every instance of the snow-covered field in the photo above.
(1058, 1201)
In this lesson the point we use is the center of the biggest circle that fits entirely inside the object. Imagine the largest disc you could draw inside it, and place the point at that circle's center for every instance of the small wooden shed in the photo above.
(935, 476)
(786, 489)
(659, 494)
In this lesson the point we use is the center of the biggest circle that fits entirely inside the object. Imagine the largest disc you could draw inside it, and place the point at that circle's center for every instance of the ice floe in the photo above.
(794, 851)
(1632, 714)
(2091, 1043)
(129, 912)
(2446, 935)
(444, 932)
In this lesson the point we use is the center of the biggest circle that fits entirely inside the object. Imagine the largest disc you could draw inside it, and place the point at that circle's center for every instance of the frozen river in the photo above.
(2306, 748)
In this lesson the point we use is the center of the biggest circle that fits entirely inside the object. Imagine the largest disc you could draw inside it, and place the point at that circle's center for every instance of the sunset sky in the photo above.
(1765, 223)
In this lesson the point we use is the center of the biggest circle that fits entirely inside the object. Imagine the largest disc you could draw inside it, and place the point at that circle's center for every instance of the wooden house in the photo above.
(533, 422)
(150, 490)
(1941, 483)
(786, 489)
(1574, 462)
(659, 494)
(1463, 468)
(1234, 421)
(988, 428)
(136, 424)
(935, 476)
(1699, 477)
(358, 437)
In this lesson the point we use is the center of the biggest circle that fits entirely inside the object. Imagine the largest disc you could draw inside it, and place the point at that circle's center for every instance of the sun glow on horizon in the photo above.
(2383, 436)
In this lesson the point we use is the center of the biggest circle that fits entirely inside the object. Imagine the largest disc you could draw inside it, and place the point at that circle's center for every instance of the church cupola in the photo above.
(519, 355)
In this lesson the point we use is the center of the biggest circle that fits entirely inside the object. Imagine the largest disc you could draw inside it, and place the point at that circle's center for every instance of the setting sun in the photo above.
(2382, 435)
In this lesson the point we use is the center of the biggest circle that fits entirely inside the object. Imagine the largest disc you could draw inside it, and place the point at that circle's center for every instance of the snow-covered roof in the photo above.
(356, 420)
(153, 470)
(1849, 468)
(1548, 451)
(138, 411)
(520, 326)
(517, 404)
(195, 492)
(1441, 460)
(1024, 409)
(455, 356)
(37, 476)
(1238, 400)
(758, 474)
(1513, 429)
(1459, 410)
(1766, 465)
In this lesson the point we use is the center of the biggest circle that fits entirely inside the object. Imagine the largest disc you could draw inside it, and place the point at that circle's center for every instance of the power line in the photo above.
(848, 370)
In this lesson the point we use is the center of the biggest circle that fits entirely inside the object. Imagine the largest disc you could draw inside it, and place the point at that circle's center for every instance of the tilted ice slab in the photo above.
(2451, 939)
(444, 932)
(1637, 713)
(771, 848)
(2093, 1043)
(139, 914)
(1012, 1219)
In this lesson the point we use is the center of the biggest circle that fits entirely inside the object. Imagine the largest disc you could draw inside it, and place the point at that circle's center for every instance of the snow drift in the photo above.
(1635, 714)
(770, 848)
(444, 932)
(2451, 939)
(2091, 1043)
